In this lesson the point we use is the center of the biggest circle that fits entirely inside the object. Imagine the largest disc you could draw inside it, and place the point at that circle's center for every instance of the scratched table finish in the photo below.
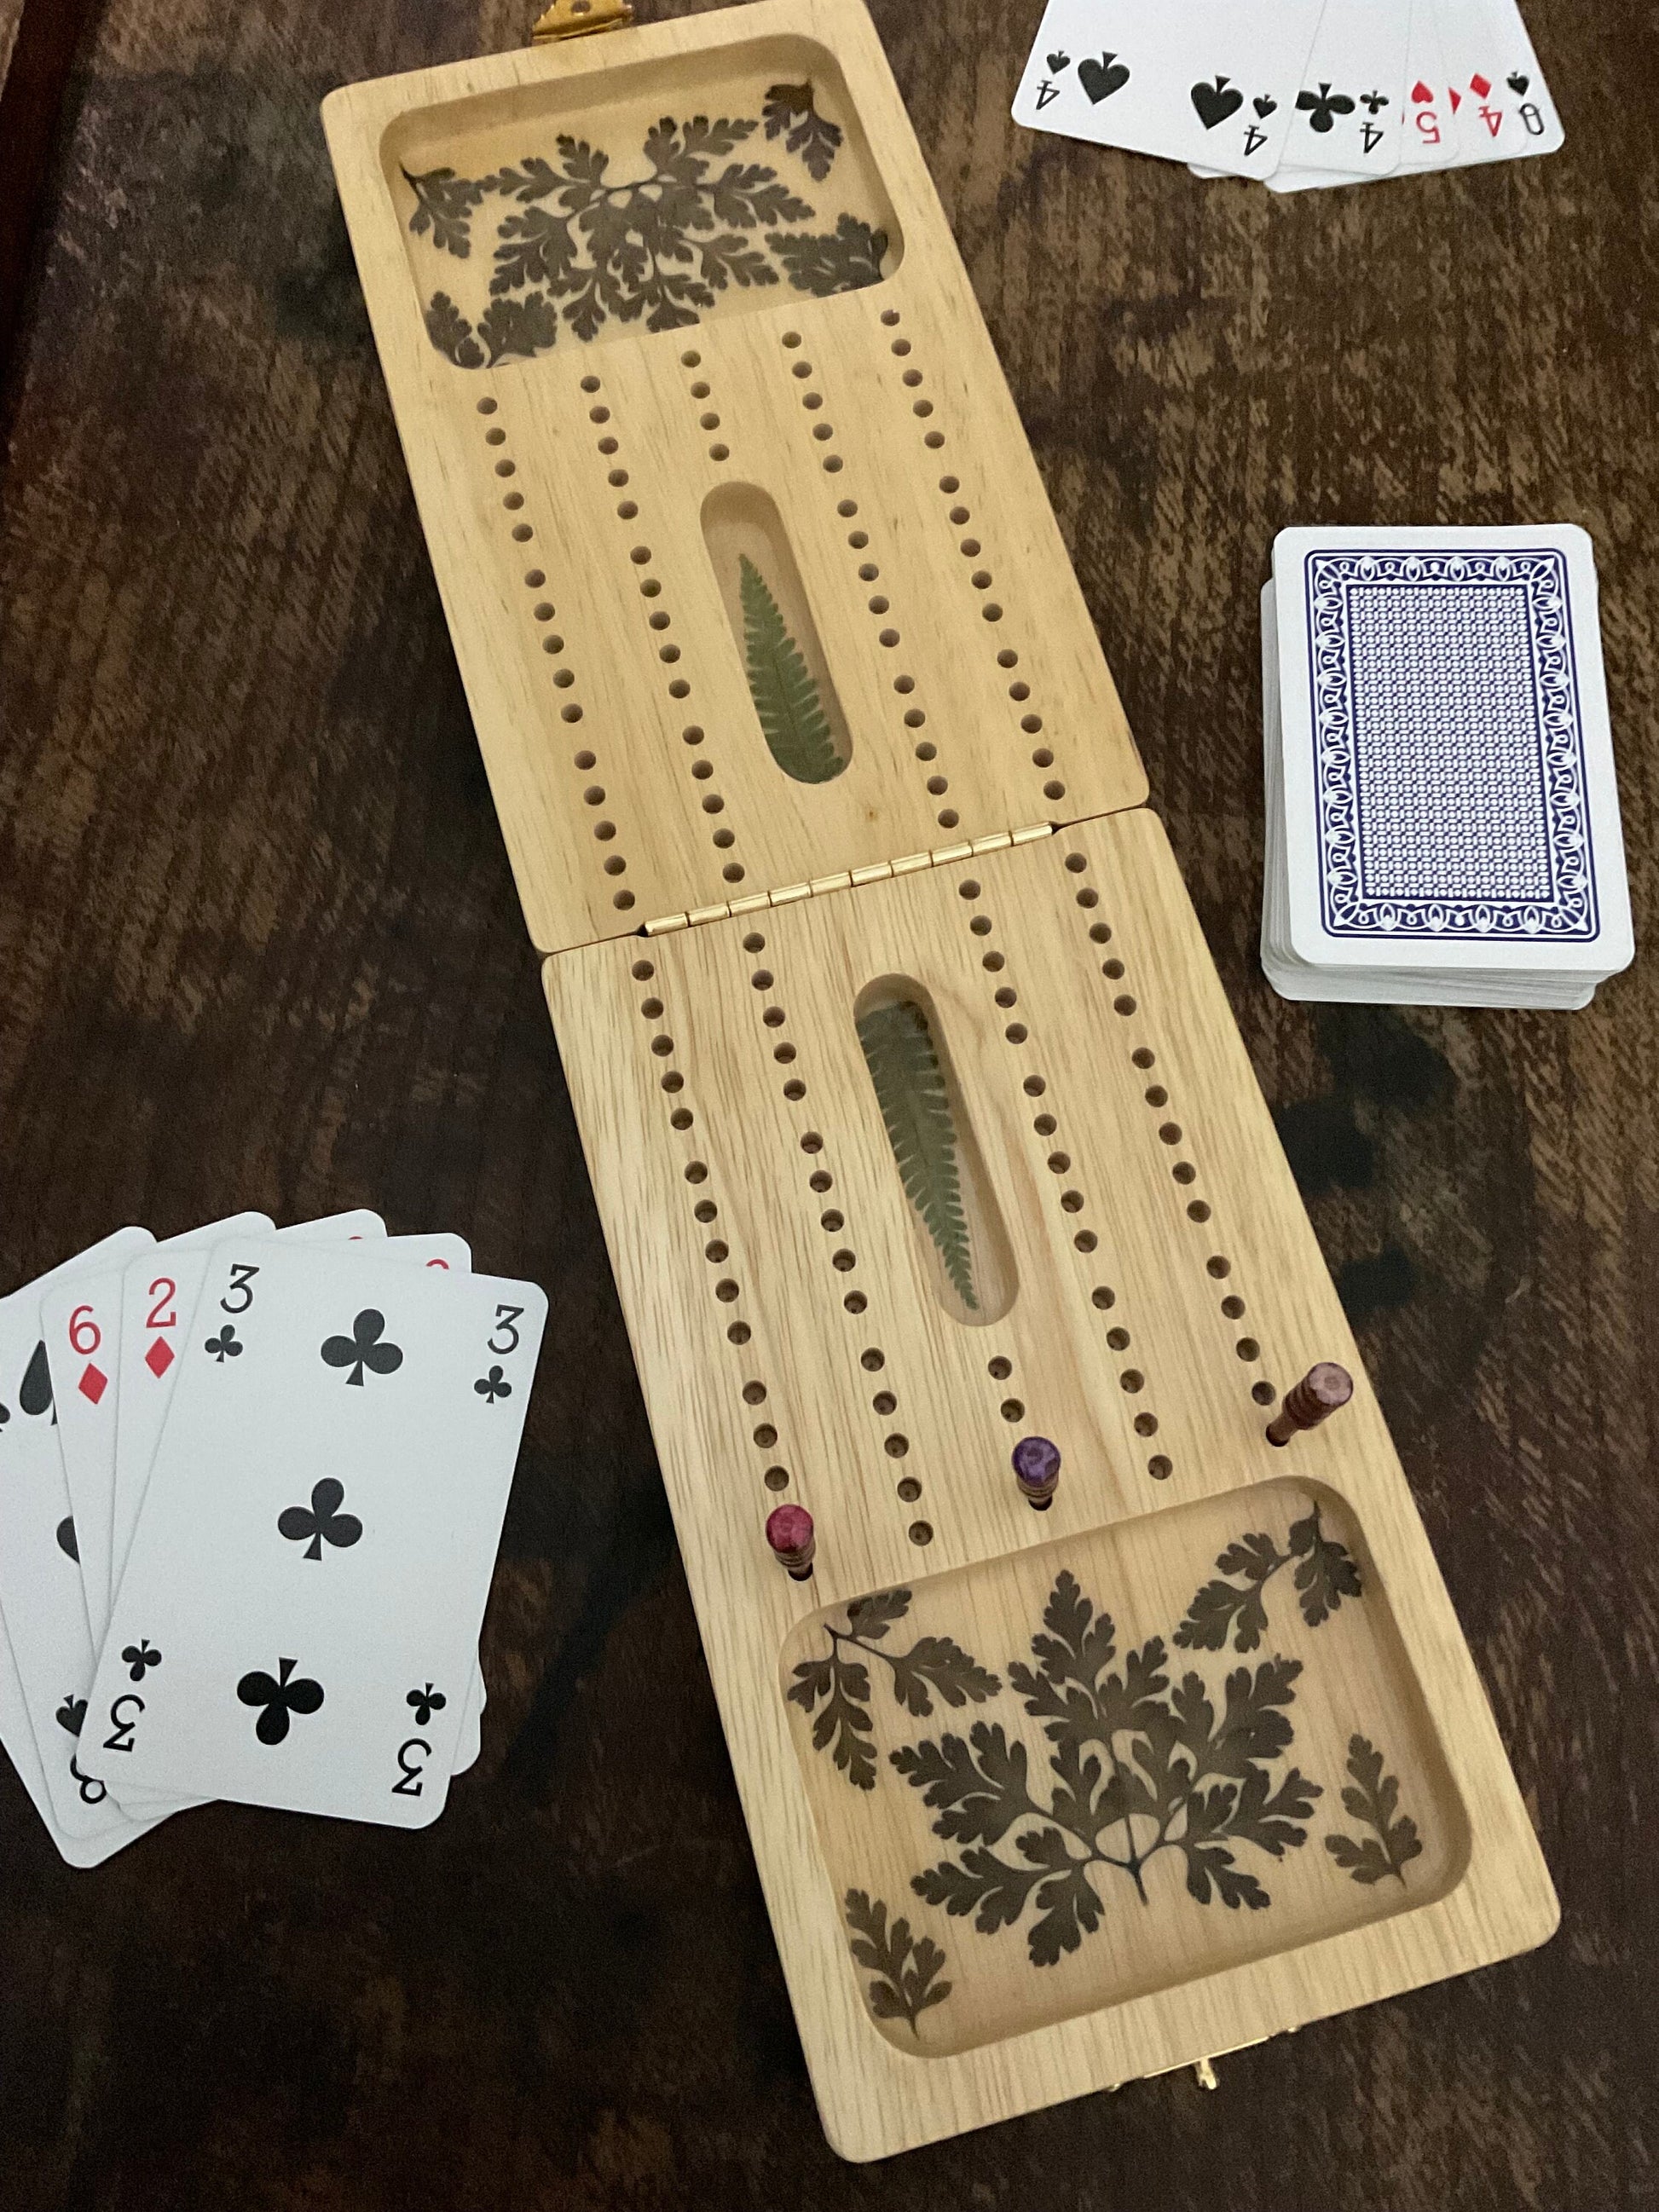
(259, 946)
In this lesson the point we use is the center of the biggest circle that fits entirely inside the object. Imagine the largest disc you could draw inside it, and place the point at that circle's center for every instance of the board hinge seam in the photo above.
(879, 872)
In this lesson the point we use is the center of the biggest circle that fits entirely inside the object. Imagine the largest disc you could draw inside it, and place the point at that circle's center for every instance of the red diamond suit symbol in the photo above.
(93, 1383)
(159, 1358)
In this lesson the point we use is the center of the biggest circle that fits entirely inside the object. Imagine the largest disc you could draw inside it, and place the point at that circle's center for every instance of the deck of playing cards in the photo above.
(1297, 94)
(1442, 814)
(252, 1484)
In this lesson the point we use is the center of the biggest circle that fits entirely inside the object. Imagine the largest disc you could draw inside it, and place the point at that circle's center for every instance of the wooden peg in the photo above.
(1036, 1470)
(789, 1531)
(1322, 1390)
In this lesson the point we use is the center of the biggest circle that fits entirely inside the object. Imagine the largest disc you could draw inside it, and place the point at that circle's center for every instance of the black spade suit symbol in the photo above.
(35, 1391)
(1101, 79)
(1216, 102)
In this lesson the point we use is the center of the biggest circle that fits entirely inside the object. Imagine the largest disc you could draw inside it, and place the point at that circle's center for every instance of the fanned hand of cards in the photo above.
(251, 1485)
(1441, 816)
(1295, 94)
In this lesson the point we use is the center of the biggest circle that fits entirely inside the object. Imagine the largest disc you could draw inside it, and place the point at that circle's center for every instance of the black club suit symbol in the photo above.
(223, 1347)
(427, 1702)
(280, 1696)
(492, 1386)
(363, 1348)
(1373, 102)
(140, 1658)
(323, 1523)
(1322, 108)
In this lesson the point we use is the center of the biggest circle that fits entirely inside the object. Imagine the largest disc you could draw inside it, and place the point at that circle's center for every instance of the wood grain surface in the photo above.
(259, 946)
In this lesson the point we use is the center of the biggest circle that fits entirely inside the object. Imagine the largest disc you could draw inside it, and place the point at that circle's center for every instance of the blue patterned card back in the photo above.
(1450, 784)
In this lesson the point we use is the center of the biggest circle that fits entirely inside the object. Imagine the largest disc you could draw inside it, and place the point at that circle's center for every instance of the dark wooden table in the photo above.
(258, 946)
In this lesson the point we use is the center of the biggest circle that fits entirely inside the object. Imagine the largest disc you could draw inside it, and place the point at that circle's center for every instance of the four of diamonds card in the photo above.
(1442, 813)
(254, 1482)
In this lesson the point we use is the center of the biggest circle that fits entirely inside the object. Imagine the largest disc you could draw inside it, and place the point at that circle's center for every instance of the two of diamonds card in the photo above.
(1442, 813)
(145, 1428)
(1297, 94)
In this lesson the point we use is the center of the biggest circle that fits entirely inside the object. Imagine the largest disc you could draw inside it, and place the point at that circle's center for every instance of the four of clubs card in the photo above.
(1295, 94)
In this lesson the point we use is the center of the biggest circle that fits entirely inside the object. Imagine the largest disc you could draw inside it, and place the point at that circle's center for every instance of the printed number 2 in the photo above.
(240, 1297)
(505, 1318)
(163, 1291)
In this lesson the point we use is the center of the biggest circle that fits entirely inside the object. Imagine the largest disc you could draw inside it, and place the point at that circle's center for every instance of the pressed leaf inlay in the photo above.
(1374, 1798)
(786, 697)
(905, 1968)
(915, 1105)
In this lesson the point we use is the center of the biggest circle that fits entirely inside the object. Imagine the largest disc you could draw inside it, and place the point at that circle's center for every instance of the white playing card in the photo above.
(40, 1591)
(81, 1323)
(1505, 110)
(1433, 138)
(164, 1314)
(1214, 82)
(1348, 111)
(1449, 790)
(156, 1303)
(17, 1738)
(301, 1634)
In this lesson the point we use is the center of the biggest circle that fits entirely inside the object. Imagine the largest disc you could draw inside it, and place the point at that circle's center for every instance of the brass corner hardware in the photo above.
(578, 19)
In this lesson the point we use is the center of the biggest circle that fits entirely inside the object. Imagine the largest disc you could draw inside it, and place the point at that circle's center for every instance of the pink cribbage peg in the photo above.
(789, 1531)
(1321, 1391)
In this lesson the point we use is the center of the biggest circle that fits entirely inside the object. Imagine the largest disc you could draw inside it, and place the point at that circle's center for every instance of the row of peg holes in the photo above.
(585, 761)
(821, 1182)
(1218, 1266)
(715, 1250)
(1018, 690)
(1059, 1163)
(914, 718)
(658, 620)
(707, 418)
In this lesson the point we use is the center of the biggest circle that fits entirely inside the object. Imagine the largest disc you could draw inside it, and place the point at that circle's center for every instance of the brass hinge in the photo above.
(880, 872)
(578, 19)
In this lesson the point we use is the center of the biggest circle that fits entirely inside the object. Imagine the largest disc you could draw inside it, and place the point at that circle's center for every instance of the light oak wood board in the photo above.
(1168, 1288)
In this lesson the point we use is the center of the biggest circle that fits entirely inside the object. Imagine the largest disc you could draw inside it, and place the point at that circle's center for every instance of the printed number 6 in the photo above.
(505, 1318)
(84, 1336)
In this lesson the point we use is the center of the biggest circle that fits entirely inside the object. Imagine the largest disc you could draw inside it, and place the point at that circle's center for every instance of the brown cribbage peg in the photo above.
(1321, 1391)
(789, 1531)
(1036, 1470)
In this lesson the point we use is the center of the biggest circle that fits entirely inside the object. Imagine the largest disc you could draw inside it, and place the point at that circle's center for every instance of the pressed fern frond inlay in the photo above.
(905, 1967)
(1325, 1573)
(1141, 1765)
(915, 1105)
(659, 246)
(786, 700)
(1373, 1798)
(935, 1665)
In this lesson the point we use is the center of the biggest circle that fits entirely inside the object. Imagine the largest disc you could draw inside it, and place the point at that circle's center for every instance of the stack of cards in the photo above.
(1295, 92)
(252, 1484)
(1441, 816)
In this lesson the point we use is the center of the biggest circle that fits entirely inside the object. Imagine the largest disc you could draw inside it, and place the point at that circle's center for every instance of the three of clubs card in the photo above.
(254, 1482)
(1297, 94)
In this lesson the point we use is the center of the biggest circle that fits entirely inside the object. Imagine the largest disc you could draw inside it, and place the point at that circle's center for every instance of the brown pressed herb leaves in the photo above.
(660, 248)
(1325, 1574)
(1140, 1761)
(1374, 1798)
(905, 1970)
(1140, 1766)
(933, 1667)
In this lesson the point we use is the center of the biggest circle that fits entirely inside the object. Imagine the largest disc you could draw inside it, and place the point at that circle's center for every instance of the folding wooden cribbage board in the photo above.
(917, 1118)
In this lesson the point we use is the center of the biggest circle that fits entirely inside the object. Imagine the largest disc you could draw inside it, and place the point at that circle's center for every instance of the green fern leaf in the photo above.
(915, 1105)
(786, 698)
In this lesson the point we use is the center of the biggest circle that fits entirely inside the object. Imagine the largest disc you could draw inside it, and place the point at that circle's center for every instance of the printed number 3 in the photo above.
(240, 1297)
(505, 1316)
